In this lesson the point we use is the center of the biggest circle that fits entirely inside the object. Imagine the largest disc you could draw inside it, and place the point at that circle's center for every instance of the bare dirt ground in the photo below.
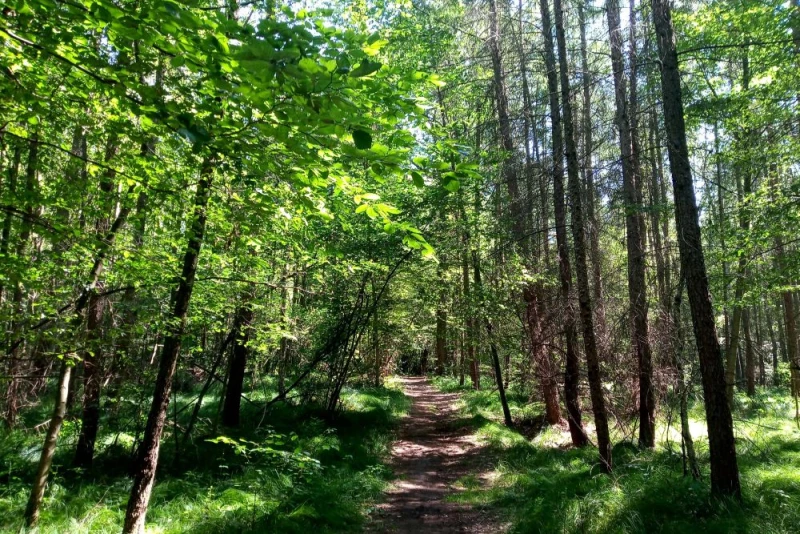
(435, 450)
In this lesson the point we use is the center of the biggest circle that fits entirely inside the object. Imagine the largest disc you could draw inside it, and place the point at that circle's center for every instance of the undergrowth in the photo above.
(541, 484)
(295, 472)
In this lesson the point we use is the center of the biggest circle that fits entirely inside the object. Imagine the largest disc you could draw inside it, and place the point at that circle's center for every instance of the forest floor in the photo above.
(436, 452)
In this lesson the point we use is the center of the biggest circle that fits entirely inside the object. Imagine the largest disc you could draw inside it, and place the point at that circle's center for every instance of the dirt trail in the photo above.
(435, 450)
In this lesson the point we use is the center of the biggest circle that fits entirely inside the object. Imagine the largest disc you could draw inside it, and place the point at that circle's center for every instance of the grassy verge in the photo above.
(295, 473)
(542, 485)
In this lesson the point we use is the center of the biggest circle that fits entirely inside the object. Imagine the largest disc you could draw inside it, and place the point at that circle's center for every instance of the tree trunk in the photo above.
(581, 269)
(684, 387)
(147, 459)
(749, 356)
(92, 377)
(10, 192)
(498, 373)
(631, 178)
(235, 384)
(17, 310)
(722, 448)
(773, 342)
(49, 448)
(95, 308)
(588, 178)
(572, 367)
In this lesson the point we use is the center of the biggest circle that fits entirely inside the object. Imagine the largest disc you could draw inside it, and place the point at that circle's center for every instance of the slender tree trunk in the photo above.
(95, 309)
(147, 458)
(631, 178)
(684, 387)
(10, 192)
(498, 373)
(773, 342)
(588, 178)
(762, 374)
(750, 360)
(722, 448)
(572, 367)
(17, 306)
(49, 448)
(581, 269)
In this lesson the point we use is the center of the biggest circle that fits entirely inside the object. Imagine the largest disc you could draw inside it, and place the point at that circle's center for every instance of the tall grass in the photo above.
(296, 473)
(540, 484)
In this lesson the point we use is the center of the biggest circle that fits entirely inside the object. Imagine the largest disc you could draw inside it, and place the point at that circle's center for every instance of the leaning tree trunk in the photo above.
(631, 177)
(498, 372)
(49, 448)
(722, 448)
(147, 457)
(581, 268)
(572, 368)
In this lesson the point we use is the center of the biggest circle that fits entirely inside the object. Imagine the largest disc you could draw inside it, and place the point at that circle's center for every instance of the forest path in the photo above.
(436, 448)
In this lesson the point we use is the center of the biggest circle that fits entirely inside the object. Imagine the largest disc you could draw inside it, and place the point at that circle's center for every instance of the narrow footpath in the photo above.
(434, 451)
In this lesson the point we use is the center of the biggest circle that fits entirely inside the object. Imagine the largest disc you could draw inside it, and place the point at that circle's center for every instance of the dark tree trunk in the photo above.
(95, 308)
(722, 448)
(236, 372)
(147, 457)
(631, 178)
(498, 372)
(92, 376)
(581, 268)
(572, 367)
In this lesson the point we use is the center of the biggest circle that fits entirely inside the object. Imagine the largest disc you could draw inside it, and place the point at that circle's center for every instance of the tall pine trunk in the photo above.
(581, 267)
(572, 367)
(722, 448)
(631, 177)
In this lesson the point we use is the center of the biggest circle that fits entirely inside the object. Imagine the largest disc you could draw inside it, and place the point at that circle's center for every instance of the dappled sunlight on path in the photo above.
(436, 449)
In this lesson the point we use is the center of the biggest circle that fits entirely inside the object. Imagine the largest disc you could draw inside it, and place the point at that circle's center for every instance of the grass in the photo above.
(297, 473)
(540, 484)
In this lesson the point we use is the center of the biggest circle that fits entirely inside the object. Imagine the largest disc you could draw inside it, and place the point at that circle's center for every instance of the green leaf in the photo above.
(362, 139)
(365, 68)
(451, 184)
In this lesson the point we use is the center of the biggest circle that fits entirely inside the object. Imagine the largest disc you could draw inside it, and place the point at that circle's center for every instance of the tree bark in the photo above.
(49, 448)
(235, 384)
(581, 268)
(147, 458)
(631, 177)
(722, 448)
(95, 308)
(572, 364)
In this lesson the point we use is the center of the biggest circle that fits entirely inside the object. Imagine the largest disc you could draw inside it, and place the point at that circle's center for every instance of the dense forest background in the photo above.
(224, 225)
